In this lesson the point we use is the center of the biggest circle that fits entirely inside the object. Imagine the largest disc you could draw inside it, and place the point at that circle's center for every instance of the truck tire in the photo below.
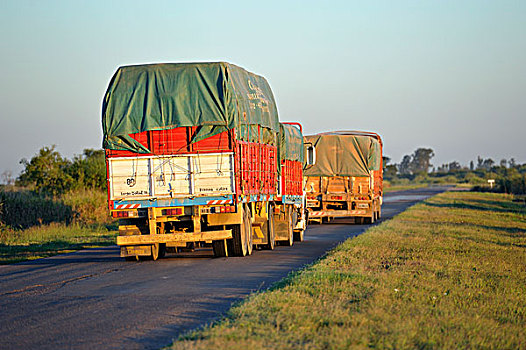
(299, 235)
(155, 251)
(242, 235)
(290, 228)
(220, 248)
(162, 250)
(268, 229)
(132, 258)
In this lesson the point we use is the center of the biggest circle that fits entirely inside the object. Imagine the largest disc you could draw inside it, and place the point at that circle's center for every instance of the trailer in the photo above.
(192, 160)
(346, 179)
(291, 222)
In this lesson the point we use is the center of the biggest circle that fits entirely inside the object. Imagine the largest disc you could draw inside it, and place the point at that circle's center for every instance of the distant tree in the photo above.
(49, 173)
(471, 166)
(89, 169)
(444, 168)
(454, 166)
(512, 163)
(488, 164)
(421, 160)
(46, 172)
(405, 165)
(484, 164)
(7, 178)
(504, 163)
(385, 161)
(390, 171)
(480, 161)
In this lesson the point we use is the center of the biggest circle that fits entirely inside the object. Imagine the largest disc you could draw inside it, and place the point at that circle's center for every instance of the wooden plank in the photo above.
(336, 213)
(174, 237)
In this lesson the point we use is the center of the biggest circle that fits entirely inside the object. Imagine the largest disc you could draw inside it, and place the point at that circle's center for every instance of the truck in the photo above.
(292, 199)
(346, 177)
(193, 160)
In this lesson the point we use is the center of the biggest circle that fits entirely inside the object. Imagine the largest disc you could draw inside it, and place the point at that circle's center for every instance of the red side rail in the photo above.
(292, 177)
(177, 141)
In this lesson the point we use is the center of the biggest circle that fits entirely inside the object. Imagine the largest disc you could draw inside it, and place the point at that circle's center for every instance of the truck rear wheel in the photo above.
(298, 235)
(290, 228)
(268, 229)
(242, 235)
(220, 248)
(162, 250)
(155, 251)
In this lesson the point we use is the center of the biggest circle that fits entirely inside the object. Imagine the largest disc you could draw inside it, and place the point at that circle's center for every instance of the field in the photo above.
(448, 273)
(32, 226)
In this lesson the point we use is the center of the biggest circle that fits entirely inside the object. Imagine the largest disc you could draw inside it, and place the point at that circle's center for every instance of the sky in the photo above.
(446, 75)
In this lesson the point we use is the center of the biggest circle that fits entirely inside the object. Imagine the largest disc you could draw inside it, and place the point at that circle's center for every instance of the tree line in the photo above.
(509, 176)
(49, 173)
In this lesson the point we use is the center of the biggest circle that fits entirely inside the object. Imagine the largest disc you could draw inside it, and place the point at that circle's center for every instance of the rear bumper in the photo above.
(338, 213)
(174, 238)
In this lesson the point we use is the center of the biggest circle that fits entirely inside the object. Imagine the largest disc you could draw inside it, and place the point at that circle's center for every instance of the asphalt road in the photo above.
(92, 299)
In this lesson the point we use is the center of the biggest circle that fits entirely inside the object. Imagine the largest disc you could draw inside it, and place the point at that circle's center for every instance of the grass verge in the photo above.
(394, 188)
(34, 226)
(447, 273)
(52, 239)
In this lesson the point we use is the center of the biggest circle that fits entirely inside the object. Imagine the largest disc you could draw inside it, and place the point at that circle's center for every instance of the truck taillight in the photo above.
(124, 214)
(218, 210)
(173, 211)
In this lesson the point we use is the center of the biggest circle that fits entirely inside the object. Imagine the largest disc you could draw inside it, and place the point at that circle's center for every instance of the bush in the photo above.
(50, 174)
(46, 172)
(89, 206)
(20, 209)
(515, 184)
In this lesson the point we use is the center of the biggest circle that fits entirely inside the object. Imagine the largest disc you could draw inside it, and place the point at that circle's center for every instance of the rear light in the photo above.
(173, 211)
(218, 209)
(124, 214)
(223, 209)
(338, 198)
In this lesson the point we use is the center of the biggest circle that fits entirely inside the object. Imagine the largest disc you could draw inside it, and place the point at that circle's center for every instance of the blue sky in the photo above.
(450, 75)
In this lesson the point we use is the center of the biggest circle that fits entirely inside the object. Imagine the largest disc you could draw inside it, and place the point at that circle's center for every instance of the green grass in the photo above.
(447, 273)
(48, 240)
(394, 188)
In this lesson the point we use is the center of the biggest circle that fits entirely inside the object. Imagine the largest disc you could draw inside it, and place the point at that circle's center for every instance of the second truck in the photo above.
(346, 179)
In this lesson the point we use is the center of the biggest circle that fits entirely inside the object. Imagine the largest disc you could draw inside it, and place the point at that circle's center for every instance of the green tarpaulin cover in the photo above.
(290, 143)
(344, 154)
(213, 96)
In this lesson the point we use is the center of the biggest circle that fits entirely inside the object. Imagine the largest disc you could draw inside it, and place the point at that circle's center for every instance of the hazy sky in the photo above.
(450, 75)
